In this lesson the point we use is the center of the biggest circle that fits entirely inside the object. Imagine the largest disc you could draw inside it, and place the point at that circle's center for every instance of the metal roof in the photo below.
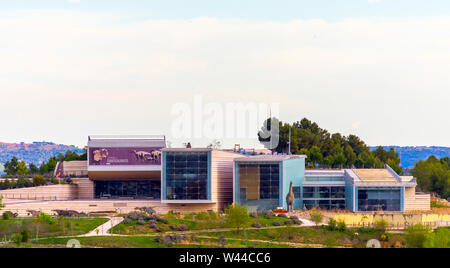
(115, 141)
(375, 175)
(268, 158)
(187, 150)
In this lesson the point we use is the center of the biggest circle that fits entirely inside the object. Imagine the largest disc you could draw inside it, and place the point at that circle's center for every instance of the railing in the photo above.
(19, 196)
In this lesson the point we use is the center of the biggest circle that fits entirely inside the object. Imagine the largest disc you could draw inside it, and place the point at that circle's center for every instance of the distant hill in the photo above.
(35, 152)
(410, 155)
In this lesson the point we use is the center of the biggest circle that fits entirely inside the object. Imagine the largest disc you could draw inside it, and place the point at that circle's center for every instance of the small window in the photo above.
(296, 190)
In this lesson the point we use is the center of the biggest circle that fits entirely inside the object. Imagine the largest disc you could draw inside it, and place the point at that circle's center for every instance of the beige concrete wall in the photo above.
(222, 178)
(53, 192)
(82, 189)
(104, 206)
(85, 188)
(74, 168)
(416, 202)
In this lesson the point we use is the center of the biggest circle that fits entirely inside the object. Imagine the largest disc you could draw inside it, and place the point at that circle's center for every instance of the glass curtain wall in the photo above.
(259, 185)
(376, 199)
(186, 175)
(327, 197)
(148, 189)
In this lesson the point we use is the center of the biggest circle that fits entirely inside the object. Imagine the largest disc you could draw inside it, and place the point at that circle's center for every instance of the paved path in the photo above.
(308, 223)
(103, 230)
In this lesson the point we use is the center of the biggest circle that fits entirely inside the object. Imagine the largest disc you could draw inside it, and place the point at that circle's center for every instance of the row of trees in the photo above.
(328, 150)
(433, 175)
(14, 167)
(37, 180)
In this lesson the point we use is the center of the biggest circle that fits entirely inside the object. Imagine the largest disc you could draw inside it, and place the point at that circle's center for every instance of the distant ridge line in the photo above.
(410, 155)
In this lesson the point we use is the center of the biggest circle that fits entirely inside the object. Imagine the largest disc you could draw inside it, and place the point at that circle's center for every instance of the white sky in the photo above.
(67, 74)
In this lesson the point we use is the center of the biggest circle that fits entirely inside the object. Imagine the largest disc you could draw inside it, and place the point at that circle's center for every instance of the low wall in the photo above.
(52, 192)
(395, 220)
(93, 206)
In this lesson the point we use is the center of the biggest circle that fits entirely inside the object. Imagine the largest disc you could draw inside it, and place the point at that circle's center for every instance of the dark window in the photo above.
(186, 175)
(296, 190)
(324, 197)
(146, 189)
(376, 199)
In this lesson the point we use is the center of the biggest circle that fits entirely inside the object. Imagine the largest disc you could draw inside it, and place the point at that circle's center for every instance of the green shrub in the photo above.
(440, 238)
(213, 215)
(25, 235)
(362, 230)
(17, 238)
(171, 215)
(276, 223)
(39, 180)
(24, 183)
(332, 224)
(316, 217)
(45, 218)
(341, 226)
(416, 236)
(381, 225)
(6, 216)
(202, 216)
(237, 216)
(385, 237)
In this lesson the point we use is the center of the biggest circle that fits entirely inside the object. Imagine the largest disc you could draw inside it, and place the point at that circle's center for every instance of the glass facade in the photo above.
(324, 197)
(259, 185)
(297, 192)
(324, 204)
(148, 189)
(186, 175)
(376, 199)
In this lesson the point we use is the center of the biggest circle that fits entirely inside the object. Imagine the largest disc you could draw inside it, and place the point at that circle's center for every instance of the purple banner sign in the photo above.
(124, 156)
